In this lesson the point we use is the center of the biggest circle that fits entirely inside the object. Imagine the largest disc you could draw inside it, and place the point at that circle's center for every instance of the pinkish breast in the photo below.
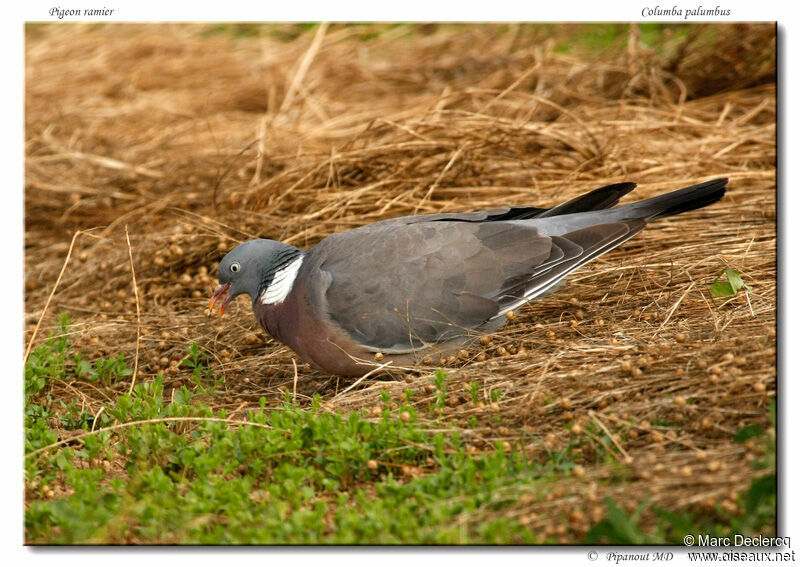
(315, 339)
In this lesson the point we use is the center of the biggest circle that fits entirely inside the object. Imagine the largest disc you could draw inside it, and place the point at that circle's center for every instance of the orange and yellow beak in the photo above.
(221, 290)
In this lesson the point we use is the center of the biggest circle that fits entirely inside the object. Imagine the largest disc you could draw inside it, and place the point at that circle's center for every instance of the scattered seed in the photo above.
(372, 465)
(378, 356)
(579, 471)
(510, 315)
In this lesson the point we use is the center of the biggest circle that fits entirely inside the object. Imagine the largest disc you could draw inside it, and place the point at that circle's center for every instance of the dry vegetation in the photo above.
(197, 140)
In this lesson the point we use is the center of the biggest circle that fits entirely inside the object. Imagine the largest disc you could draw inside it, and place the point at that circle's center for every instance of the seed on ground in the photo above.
(372, 465)
(579, 471)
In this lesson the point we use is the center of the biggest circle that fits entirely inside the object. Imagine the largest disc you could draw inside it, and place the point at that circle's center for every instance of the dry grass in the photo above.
(197, 142)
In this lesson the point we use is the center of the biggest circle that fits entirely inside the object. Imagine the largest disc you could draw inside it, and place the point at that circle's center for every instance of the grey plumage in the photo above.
(411, 285)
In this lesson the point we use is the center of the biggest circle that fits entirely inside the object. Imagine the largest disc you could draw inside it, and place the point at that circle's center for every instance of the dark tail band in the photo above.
(681, 201)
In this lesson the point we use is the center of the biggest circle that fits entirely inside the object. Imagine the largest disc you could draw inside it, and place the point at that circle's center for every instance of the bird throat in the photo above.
(277, 282)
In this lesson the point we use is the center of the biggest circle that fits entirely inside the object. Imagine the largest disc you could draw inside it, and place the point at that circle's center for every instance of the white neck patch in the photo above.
(281, 284)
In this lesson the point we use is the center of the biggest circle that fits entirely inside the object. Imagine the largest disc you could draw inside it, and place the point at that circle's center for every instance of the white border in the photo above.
(13, 16)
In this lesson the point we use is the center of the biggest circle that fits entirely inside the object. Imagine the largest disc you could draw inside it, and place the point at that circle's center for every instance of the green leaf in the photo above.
(749, 431)
(762, 491)
(731, 286)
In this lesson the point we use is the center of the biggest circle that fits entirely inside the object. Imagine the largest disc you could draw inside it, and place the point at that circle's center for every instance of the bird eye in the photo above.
(235, 267)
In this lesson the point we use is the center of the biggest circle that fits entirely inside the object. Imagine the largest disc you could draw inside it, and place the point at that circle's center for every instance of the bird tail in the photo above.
(677, 202)
(673, 203)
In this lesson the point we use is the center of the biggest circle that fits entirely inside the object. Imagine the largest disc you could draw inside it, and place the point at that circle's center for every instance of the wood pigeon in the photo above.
(425, 285)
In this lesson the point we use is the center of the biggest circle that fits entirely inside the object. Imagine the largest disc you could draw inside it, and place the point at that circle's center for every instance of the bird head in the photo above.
(250, 268)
